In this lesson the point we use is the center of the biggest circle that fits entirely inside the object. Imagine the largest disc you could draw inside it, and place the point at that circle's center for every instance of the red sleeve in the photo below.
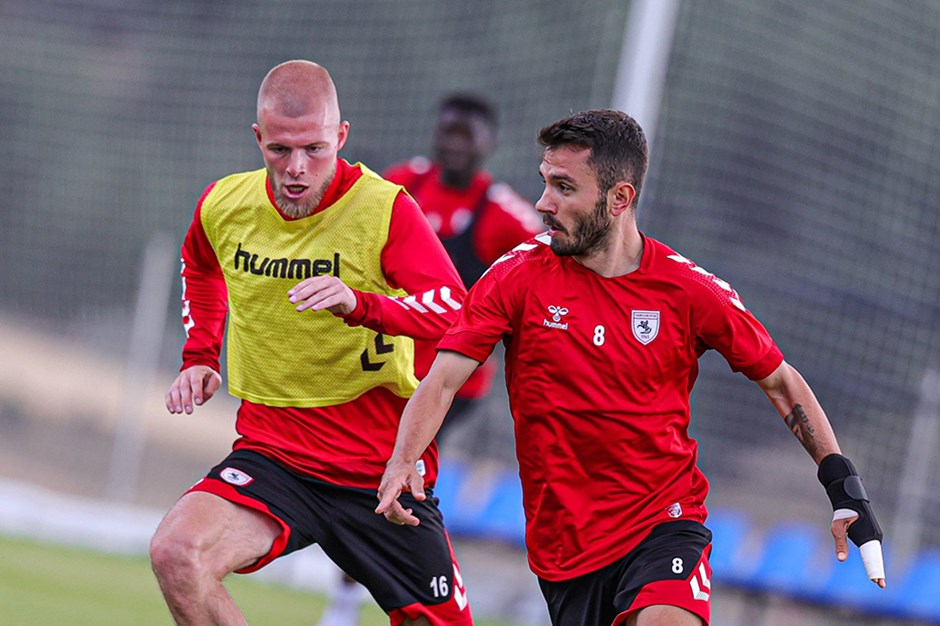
(727, 326)
(413, 259)
(205, 297)
(487, 314)
(508, 220)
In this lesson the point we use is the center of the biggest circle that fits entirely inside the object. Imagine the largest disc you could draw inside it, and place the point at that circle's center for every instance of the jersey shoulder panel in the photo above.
(526, 256)
(419, 164)
(407, 170)
(234, 186)
(695, 279)
(376, 179)
(513, 204)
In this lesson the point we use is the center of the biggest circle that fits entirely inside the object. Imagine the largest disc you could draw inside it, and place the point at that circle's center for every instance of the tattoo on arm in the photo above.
(798, 423)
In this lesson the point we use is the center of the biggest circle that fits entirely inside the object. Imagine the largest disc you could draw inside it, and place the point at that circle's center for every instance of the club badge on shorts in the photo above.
(235, 476)
(645, 325)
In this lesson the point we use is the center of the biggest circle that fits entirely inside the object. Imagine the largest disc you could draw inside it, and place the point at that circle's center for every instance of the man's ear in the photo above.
(342, 135)
(620, 197)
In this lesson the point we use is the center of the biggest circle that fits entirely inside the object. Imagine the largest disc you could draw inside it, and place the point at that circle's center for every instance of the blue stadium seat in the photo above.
(450, 478)
(729, 529)
(459, 518)
(789, 562)
(848, 585)
(917, 594)
(504, 516)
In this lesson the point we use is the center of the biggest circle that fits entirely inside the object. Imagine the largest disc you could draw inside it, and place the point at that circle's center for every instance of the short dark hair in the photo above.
(471, 103)
(617, 144)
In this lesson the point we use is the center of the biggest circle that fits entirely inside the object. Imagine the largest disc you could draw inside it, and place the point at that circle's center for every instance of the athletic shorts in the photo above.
(409, 570)
(670, 566)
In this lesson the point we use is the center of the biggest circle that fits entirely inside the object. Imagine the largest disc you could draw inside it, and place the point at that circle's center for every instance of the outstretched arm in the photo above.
(414, 260)
(853, 516)
(797, 404)
(420, 422)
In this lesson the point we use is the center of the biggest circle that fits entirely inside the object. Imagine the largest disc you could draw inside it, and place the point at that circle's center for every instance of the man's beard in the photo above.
(295, 210)
(588, 235)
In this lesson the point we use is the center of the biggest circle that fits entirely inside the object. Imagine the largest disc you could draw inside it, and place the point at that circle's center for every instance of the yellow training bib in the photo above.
(277, 356)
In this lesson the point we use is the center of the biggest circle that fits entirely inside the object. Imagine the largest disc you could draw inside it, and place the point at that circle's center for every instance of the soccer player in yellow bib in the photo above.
(325, 272)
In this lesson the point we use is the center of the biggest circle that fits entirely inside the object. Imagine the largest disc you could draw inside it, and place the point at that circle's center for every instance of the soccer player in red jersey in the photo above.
(324, 270)
(604, 327)
(477, 219)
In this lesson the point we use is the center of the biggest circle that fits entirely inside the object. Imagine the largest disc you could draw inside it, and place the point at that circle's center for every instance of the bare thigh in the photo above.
(663, 615)
(223, 535)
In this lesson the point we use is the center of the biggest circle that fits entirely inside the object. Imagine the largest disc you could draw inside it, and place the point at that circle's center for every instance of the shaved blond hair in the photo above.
(297, 88)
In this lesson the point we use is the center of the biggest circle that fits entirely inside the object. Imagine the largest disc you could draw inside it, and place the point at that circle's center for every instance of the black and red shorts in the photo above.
(409, 570)
(670, 566)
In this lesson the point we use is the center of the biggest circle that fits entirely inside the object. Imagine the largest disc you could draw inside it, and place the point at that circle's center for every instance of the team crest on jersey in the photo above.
(674, 510)
(236, 476)
(645, 325)
(557, 313)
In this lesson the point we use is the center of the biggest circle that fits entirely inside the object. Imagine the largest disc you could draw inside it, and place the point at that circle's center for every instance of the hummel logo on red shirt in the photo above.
(557, 312)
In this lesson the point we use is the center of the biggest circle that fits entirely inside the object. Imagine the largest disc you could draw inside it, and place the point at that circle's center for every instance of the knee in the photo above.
(173, 558)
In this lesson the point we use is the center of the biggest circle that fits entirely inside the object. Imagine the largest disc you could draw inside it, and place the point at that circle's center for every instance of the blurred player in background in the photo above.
(478, 221)
(604, 327)
(313, 260)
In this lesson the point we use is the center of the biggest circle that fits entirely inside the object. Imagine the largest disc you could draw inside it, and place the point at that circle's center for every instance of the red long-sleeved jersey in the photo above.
(348, 443)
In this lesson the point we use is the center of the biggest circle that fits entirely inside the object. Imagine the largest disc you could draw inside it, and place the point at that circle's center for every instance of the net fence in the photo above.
(796, 156)
(118, 114)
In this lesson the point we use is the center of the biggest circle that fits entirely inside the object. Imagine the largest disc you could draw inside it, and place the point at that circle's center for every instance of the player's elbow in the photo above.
(776, 384)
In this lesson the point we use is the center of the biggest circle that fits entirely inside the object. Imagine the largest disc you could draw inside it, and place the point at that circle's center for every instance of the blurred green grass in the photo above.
(42, 584)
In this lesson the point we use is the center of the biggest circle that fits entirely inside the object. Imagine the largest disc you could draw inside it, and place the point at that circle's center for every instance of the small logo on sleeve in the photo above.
(645, 325)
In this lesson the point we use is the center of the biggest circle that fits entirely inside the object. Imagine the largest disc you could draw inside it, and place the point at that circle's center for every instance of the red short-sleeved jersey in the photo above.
(504, 218)
(599, 372)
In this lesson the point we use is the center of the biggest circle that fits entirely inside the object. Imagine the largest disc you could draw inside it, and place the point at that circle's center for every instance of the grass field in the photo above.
(42, 584)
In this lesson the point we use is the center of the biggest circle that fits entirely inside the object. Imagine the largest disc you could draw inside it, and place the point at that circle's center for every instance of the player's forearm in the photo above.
(415, 261)
(420, 421)
(423, 315)
(426, 409)
(804, 416)
(204, 297)
(203, 317)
